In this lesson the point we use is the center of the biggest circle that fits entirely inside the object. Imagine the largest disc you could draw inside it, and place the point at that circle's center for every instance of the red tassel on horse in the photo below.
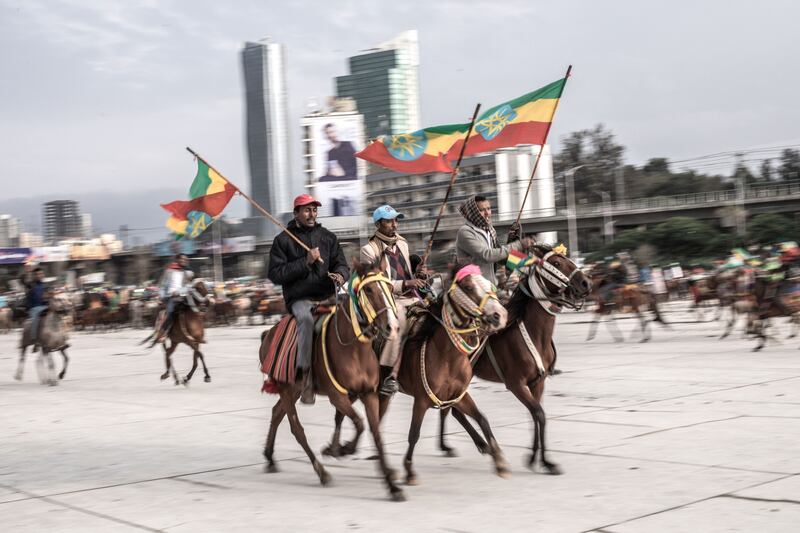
(270, 387)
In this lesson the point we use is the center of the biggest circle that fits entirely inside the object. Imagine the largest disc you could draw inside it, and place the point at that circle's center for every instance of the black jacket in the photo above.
(288, 266)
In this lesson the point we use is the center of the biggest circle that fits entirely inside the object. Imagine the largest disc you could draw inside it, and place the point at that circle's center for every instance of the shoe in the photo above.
(389, 386)
(307, 395)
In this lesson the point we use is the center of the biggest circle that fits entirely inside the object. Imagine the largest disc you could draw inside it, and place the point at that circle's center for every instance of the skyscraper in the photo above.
(9, 231)
(61, 219)
(267, 129)
(384, 82)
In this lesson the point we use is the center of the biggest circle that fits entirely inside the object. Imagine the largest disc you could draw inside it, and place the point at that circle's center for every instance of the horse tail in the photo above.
(151, 336)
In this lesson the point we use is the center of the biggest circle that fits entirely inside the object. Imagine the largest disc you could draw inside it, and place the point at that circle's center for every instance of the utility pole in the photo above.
(572, 225)
(619, 184)
(217, 252)
(741, 211)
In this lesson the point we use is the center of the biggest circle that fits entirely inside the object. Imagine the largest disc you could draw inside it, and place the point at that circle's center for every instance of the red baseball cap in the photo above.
(305, 199)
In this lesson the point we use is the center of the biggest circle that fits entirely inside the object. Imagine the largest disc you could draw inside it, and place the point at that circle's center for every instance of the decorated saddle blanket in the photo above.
(280, 357)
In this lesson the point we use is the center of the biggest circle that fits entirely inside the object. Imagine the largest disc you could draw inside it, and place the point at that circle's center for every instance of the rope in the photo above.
(438, 404)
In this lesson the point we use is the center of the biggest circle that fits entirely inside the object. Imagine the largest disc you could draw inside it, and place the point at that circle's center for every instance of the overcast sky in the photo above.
(103, 95)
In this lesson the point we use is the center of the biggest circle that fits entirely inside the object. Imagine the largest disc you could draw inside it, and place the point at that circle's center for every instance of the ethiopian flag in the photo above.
(518, 260)
(523, 120)
(209, 194)
(416, 152)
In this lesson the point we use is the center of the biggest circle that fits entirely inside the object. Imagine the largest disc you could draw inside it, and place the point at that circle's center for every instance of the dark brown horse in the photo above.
(435, 368)
(770, 303)
(632, 296)
(187, 328)
(344, 368)
(523, 354)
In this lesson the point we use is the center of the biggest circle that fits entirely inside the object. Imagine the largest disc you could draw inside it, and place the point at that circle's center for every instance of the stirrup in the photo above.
(389, 386)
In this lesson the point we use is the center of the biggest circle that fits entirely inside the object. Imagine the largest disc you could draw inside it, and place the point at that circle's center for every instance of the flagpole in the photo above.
(453, 176)
(263, 211)
(544, 142)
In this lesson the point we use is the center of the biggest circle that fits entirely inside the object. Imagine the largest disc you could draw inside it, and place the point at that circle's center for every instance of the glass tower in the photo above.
(384, 82)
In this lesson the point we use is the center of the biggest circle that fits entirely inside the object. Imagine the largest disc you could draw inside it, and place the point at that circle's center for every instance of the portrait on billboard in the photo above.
(339, 174)
(340, 154)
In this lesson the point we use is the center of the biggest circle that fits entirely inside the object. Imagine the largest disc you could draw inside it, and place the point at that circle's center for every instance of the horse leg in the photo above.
(167, 360)
(593, 326)
(334, 449)
(66, 363)
(51, 367)
(195, 357)
(643, 323)
(278, 412)
(611, 324)
(345, 405)
(525, 395)
(480, 443)
(448, 451)
(21, 364)
(371, 404)
(207, 376)
(288, 397)
(467, 406)
(417, 416)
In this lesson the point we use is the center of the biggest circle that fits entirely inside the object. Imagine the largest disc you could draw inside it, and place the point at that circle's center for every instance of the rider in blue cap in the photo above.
(387, 243)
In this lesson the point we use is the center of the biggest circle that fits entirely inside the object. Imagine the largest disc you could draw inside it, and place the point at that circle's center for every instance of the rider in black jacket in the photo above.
(304, 278)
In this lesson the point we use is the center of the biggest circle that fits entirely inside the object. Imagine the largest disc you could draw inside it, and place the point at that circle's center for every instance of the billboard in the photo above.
(338, 175)
(168, 248)
(52, 254)
(14, 256)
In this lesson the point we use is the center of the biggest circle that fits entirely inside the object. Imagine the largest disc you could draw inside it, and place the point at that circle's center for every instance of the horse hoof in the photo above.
(412, 481)
(18, 376)
(398, 496)
(324, 478)
(52, 383)
(207, 379)
(483, 448)
(503, 472)
(450, 452)
(553, 470)
(530, 462)
(330, 451)
(392, 473)
(61, 375)
(373, 457)
(164, 376)
(271, 469)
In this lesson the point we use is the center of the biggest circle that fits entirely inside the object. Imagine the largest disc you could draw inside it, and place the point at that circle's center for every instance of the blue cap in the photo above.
(386, 212)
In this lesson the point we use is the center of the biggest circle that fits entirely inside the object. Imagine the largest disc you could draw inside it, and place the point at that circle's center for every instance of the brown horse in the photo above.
(633, 297)
(344, 368)
(523, 354)
(187, 328)
(770, 303)
(435, 367)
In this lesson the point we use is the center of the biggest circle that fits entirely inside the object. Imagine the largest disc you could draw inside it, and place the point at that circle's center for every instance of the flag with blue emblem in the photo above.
(523, 120)
(209, 194)
(416, 152)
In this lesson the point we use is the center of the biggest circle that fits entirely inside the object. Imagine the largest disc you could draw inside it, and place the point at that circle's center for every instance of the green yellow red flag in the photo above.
(209, 194)
(416, 152)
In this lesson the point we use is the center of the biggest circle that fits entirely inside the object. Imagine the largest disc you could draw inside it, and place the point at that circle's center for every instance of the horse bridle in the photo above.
(546, 271)
(363, 316)
(457, 300)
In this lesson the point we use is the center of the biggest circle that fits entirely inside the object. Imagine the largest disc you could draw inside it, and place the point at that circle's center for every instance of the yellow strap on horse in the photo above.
(439, 404)
(366, 307)
(324, 338)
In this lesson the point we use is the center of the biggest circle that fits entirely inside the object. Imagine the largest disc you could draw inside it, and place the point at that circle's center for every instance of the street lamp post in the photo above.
(571, 222)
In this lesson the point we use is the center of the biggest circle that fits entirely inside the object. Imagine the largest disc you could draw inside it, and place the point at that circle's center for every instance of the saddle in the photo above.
(280, 356)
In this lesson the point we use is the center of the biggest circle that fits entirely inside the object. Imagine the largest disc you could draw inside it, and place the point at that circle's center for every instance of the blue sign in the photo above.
(14, 256)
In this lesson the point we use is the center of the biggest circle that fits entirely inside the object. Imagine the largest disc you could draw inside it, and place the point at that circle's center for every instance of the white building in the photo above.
(86, 225)
(30, 240)
(9, 231)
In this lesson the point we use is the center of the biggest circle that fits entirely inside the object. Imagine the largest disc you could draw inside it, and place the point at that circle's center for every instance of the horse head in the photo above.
(200, 286)
(559, 276)
(474, 295)
(375, 309)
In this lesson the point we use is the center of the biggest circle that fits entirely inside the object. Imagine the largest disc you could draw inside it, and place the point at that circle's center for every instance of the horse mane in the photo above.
(516, 305)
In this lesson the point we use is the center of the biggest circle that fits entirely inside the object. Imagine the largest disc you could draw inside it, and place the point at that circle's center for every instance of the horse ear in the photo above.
(360, 268)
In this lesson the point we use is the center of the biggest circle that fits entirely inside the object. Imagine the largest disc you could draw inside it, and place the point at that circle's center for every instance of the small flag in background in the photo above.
(209, 194)
(517, 260)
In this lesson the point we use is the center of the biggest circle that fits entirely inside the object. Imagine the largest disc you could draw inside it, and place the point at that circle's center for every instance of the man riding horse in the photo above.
(386, 242)
(306, 276)
(174, 289)
(36, 301)
(476, 242)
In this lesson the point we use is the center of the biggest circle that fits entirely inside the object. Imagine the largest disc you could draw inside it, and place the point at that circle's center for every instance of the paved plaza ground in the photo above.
(684, 433)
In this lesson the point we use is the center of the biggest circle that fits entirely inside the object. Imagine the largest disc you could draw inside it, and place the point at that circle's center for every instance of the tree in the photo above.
(789, 168)
(682, 237)
(767, 172)
(769, 228)
(600, 154)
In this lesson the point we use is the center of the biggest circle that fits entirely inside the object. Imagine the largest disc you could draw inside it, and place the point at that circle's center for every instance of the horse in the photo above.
(188, 328)
(436, 362)
(523, 354)
(344, 368)
(53, 337)
(769, 303)
(632, 296)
